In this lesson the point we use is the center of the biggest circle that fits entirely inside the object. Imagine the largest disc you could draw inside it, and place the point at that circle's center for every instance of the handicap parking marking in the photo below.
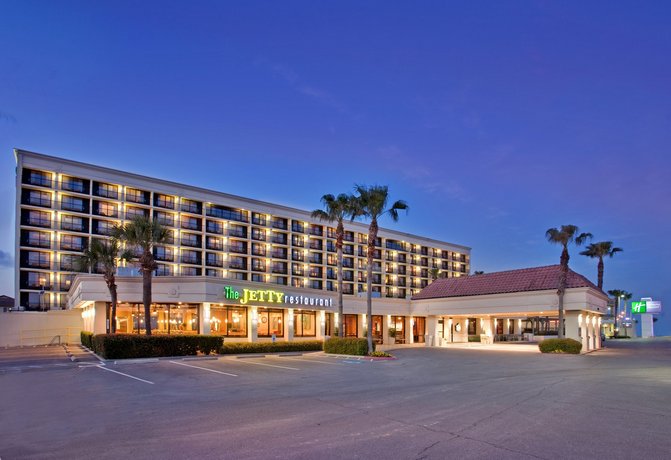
(247, 361)
(100, 366)
(204, 368)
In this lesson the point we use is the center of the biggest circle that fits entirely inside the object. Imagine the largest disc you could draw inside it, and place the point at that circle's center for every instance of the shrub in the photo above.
(380, 354)
(234, 348)
(86, 339)
(560, 346)
(124, 346)
(392, 332)
(347, 346)
(473, 338)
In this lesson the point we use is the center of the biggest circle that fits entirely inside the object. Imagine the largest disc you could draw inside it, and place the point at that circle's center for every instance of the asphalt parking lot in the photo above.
(429, 403)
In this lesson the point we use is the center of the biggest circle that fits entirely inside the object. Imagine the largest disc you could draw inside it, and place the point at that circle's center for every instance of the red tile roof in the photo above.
(525, 279)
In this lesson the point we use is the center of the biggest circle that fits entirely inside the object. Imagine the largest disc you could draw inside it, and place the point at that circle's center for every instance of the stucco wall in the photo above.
(24, 328)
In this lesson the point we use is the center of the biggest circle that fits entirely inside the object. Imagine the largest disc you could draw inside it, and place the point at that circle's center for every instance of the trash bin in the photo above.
(274, 338)
(428, 340)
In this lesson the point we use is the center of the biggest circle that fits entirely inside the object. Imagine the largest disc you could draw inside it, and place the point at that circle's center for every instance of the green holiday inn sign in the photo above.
(639, 307)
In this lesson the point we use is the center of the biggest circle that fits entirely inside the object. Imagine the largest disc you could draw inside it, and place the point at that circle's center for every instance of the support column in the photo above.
(411, 324)
(432, 331)
(253, 325)
(361, 320)
(321, 325)
(290, 324)
(385, 332)
(204, 318)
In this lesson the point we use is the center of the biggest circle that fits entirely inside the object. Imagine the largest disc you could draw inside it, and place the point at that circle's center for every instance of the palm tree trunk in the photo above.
(340, 230)
(113, 296)
(146, 299)
(563, 273)
(600, 272)
(372, 235)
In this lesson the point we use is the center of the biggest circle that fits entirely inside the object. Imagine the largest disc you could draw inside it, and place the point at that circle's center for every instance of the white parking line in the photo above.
(125, 375)
(246, 361)
(310, 360)
(204, 368)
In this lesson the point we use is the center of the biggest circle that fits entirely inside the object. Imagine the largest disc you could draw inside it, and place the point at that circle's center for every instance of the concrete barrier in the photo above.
(27, 328)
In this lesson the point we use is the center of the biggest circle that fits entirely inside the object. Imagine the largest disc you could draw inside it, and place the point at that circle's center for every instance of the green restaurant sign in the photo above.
(250, 296)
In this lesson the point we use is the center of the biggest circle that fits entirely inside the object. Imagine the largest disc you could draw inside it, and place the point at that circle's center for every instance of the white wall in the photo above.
(25, 328)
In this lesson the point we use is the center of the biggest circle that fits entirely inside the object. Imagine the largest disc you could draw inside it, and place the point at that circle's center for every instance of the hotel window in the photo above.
(258, 234)
(419, 329)
(191, 240)
(270, 322)
(349, 236)
(106, 190)
(137, 196)
(71, 203)
(398, 323)
(72, 243)
(103, 227)
(297, 254)
(33, 280)
(315, 284)
(190, 223)
(316, 244)
(228, 321)
(237, 231)
(348, 262)
(69, 263)
(331, 246)
(72, 223)
(348, 249)
(224, 212)
(164, 201)
(132, 212)
(279, 267)
(377, 328)
(163, 270)
(279, 238)
(213, 226)
(238, 276)
(282, 280)
(164, 254)
(36, 218)
(40, 178)
(259, 249)
(212, 242)
(190, 257)
(297, 226)
(258, 219)
(305, 323)
(106, 209)
(348, 288)
(74, 184)
(194, 207)
(35, 259)
(315, 272)
(297, 282)
(315, 258)
(278, 222)
(350, 325)
(258, 265)
(330, 232)
(316, 230)
(35, 239)
(279, 253)
(297, 270)
(190, 271)
(297, 240)
(65, 282)
(331, 273)
(213, 273)
(214, 260)
(239, 247)
(37, 198)
(165, 218)
(258, 278)
(238, 263)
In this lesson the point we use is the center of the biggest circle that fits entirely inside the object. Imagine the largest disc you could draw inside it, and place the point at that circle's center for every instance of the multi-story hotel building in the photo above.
(227, 240)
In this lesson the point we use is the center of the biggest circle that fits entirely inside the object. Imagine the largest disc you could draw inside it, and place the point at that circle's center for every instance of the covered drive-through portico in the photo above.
(461, 310)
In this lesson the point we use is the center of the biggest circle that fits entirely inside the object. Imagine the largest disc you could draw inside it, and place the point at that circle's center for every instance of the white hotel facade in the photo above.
(255, 271)
(218, 241)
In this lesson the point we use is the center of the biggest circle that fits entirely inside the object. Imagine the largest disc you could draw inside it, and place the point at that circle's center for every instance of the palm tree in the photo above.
(371, 203)
(565, 235)
(599, 251)
(435, 273)
(618, 294)
(105, 254)
(141, 234)
(336, 209)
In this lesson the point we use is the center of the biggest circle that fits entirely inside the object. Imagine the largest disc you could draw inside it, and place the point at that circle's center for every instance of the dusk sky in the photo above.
(493, 120)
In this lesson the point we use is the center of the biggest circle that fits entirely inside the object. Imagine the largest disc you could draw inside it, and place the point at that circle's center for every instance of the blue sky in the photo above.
(494, 120)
